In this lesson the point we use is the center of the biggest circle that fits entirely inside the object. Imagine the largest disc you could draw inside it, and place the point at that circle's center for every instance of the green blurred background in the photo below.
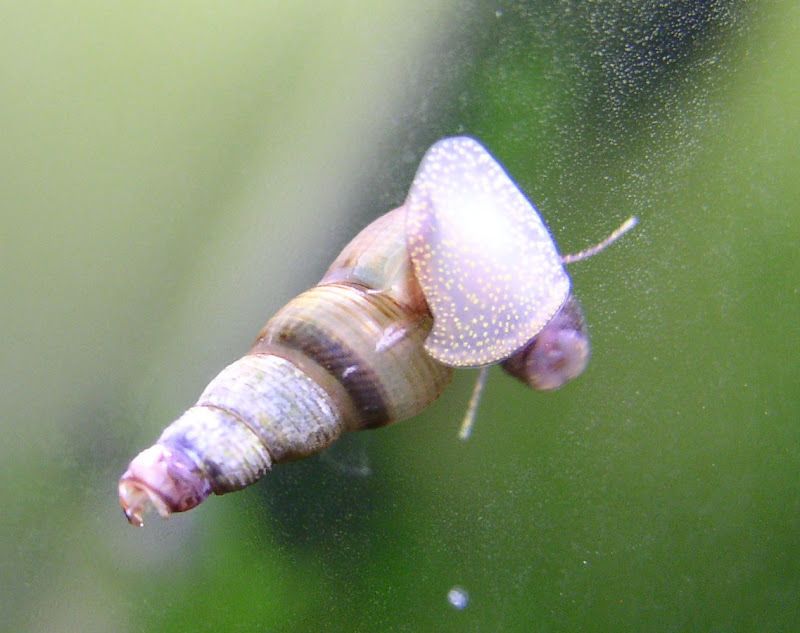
(171, 174)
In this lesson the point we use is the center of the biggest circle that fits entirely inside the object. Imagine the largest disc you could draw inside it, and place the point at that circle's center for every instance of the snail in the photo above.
(463, 274)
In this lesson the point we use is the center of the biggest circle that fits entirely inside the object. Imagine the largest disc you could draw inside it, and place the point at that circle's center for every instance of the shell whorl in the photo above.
(363, 347)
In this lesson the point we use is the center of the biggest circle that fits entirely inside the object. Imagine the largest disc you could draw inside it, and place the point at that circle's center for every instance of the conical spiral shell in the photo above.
(347, 354)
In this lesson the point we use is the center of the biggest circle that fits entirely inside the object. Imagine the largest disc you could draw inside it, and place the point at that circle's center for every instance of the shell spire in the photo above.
(163, 479)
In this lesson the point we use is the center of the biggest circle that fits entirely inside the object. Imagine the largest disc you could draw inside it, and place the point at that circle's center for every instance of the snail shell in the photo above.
(345, 355)
(465, 273)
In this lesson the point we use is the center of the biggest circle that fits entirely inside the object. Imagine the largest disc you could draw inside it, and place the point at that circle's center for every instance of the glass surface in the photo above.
(173, 175)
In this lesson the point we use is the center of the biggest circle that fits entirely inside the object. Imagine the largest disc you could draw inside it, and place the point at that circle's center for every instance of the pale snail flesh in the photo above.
(464, 274)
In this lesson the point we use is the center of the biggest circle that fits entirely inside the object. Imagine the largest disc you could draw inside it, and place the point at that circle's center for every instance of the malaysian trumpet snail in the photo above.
(463, 274)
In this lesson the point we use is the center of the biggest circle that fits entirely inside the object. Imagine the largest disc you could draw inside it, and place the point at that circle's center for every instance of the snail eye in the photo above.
(486, 263)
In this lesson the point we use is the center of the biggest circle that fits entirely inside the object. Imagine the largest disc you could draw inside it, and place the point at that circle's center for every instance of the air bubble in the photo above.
(458, 598)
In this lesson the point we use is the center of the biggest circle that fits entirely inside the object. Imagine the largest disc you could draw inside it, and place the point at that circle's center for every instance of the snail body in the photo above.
(463, 274)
